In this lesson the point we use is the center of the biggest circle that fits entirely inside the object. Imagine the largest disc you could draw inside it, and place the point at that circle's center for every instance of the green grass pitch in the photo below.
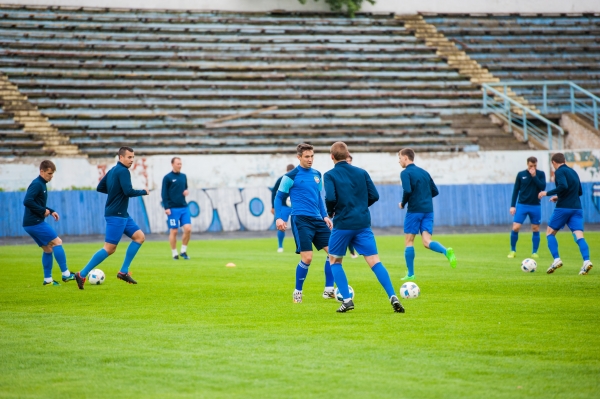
(193, 329)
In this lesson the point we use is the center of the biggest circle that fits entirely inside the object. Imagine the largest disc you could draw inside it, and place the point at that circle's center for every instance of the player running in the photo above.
(41, 232)
(349, 192)
(529, 183)
(310, 223)
(174, 191)
(117, 184)
(285, 210)
(419, 190)
(568, 212)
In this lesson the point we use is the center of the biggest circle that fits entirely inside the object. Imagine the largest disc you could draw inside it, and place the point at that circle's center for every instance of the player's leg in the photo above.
(47, 261)
(173, 226)
(575, 223)
(185, 221)
(557, 221)
(303, 234)
(535, 218)
(352, 251)
(339, 240)
(321, 239)
(514, 237)
(409, 256)
(133, 231)
(426, 229)
(45, 237)
(285, 215)
(61, 258)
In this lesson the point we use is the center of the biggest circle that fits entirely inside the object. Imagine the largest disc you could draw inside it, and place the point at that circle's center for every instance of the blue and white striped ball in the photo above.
(339, 296)
(529, 265)
(410, 290)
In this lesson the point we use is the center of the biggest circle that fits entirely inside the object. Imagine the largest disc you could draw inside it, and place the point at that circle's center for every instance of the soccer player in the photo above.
(568, 212)
(285, 210)
(310, 223)
(349, 192)
(117, 184)
(419, 190)
(353, 254)
(529, 183)
(41, 232)
(174, 191)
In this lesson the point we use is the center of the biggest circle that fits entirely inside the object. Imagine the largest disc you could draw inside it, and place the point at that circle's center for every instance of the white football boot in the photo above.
(555, 265)
(585, 269)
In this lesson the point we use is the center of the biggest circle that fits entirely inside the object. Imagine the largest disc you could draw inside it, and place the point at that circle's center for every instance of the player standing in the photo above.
(419, 190)
(529, 183)
(285, 210)
(174, 191)
(117, 184)
(349, 192)
(310, 223)
(353, 254)
(568, 212)
(41, 232)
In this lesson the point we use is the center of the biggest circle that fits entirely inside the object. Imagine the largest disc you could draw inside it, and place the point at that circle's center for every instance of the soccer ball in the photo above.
(288, 202)
(410, 290)
(528, 265)
(339, 296)
(96, 277)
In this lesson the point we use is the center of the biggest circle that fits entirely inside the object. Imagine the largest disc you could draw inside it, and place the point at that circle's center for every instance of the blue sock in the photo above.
(584, 249)
(340, 280)
(61, 257)
(328, 274)
(409, 255)
(47, 264)
(514, 237)
(95, 261)
(301, 272)
(280, 237)
(553, 246)
(384, 279)
(536, 241)
(437, 247)
(132, 250)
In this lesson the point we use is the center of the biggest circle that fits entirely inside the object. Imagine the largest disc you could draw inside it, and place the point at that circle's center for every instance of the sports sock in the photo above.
(536, 241)
(61, 259)
(328, 274)
(174, 252)
(514, 237)
(553, 246)
(47, 265)
(437, 247)
(280, 237)
(409, 255)
(301, 272)
(584, 249)
(95, 261)
(351, 249)
(384, 279)
(340, 280)
(132, 250)
(183, 249)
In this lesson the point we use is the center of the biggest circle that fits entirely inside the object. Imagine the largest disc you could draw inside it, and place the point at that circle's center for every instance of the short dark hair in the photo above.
(123, 150)
(409, 152)
(290, 167)
(303, 147)
(173, 160)
(45, 165)
(559, 158)
(339, 150)
(532, 160)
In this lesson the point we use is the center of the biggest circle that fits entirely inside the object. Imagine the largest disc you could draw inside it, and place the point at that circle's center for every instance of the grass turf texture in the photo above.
(198, 329)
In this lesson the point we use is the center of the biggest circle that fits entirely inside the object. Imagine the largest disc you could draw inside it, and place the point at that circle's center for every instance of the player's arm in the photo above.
(125, 182)
(282, 193)
(434, 190)
(274, 191)
(561, 185)
(330, 195)
(540, 180)
(515, 193)
(406, 188)
(372, 193)
(164, 193)
(102, 186)
(322, 209)
(29, 201)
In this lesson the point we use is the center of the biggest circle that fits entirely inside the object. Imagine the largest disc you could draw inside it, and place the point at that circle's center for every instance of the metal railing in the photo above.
(518, 117)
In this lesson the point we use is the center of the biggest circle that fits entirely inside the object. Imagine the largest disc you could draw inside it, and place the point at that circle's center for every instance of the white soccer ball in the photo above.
(288, 202)
(528, 265)
(96, 277)
(410, 290)
(339, 296)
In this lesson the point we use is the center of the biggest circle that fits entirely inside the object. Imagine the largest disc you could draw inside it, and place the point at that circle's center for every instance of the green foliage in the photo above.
(83, 188)
(350, 7)
(1, 190)
(21, 189)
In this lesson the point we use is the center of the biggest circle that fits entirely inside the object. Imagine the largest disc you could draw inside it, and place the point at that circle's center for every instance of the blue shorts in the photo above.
(116, 227)
(179, 217)
(286, 211)
(417, 223)
(363, 241)
(41, 233)
(534, 212)
(308, 231)
(571, 217)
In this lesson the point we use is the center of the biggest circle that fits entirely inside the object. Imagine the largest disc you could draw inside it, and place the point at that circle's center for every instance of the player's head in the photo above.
(176, 164)
(47, 169)
(558, 159)
(306, 155)
(126, 156)
(531, 162)
(290, 167)
(339, 151)
(406, 156)
(349, 159)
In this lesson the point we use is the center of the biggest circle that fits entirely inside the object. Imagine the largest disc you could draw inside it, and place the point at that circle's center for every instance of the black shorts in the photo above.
(308, 231)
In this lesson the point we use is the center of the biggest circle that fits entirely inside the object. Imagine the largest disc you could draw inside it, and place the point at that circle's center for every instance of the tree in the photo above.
(351, 6)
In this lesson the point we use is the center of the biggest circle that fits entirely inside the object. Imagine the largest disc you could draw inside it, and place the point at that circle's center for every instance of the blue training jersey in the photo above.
(35, 202)
(527, 188)
(419, 189)
(173, 186)
(304, 187)
(117, 184)
(568, 188)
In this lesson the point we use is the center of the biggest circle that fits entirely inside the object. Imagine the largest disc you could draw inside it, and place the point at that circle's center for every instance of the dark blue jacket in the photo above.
(527, 188)
(173, 186)
(349, 192)
(419, 189)
(117, 184)
(274, 191)
(568, 188)
(35, 202)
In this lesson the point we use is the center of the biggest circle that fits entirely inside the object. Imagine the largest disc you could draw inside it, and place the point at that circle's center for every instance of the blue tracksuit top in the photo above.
(568, 188)
(35, 202)
(173, 186)
(304, 187)
(527, 188)
(117, 184)
(419, 189)
(349, 192)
